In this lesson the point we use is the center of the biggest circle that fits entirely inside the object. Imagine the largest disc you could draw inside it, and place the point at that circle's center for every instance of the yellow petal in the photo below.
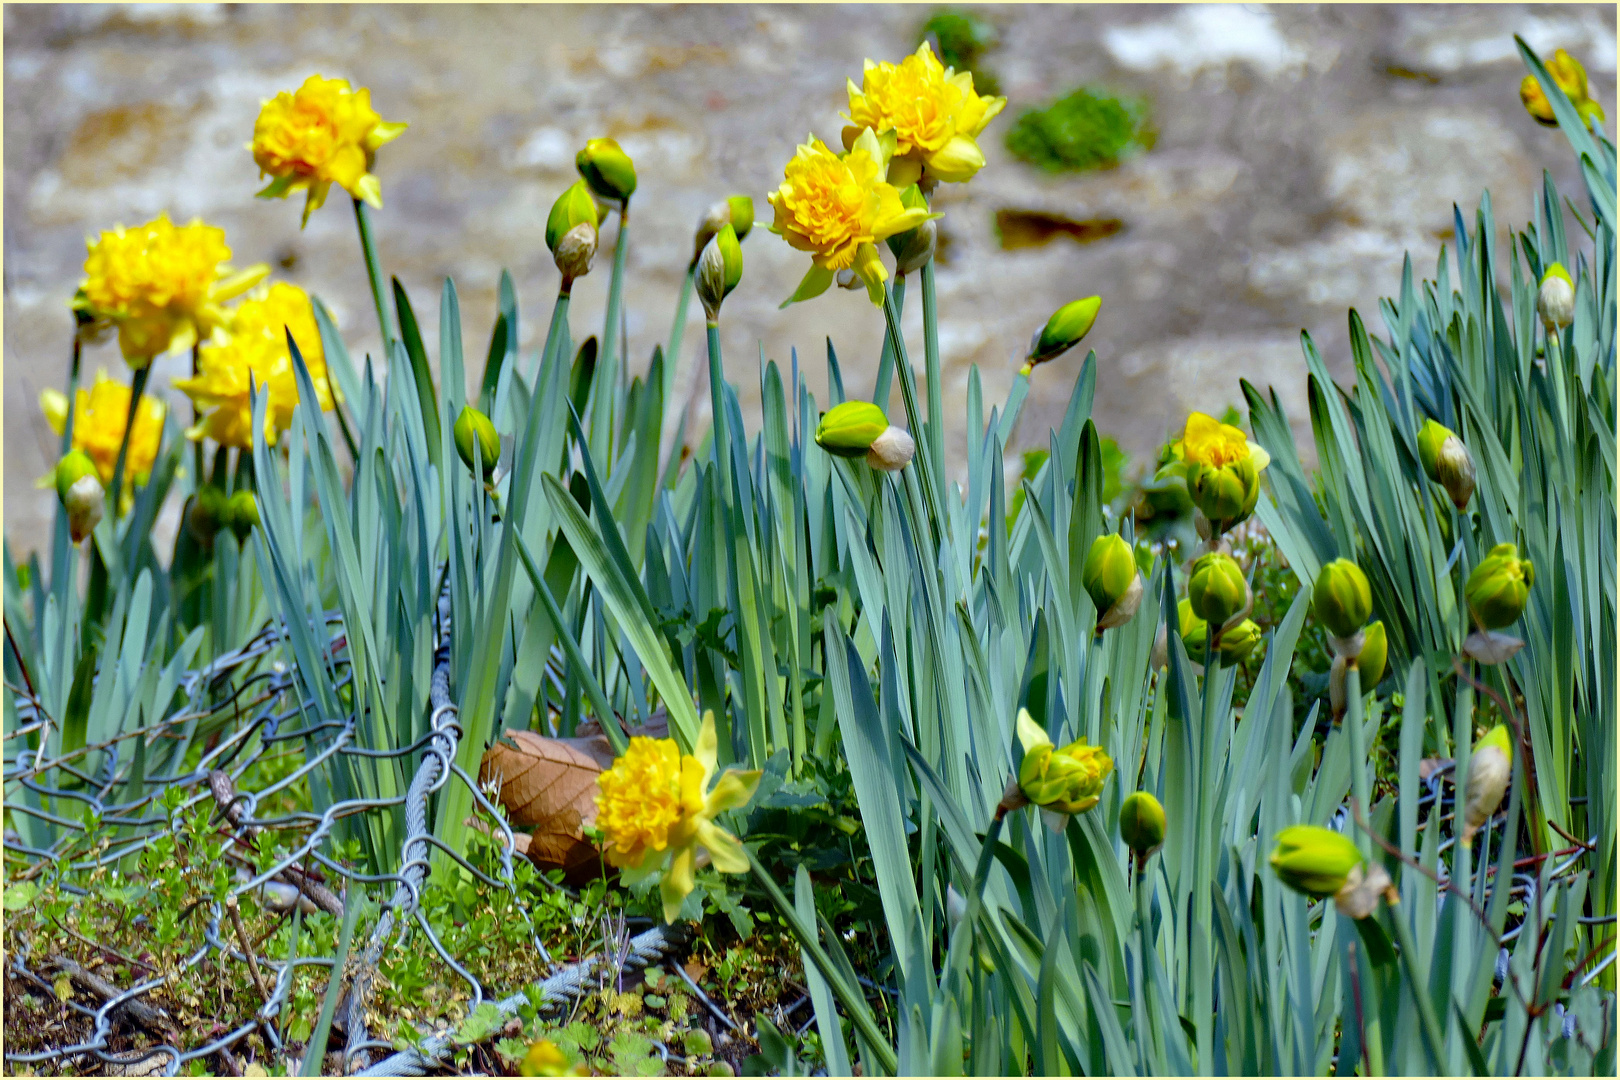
(707, 750)
(732, 792)
(54, 404)
(678, 881)
(229, 288)
(957, 160)
(869, 268)
(369, 190)
(725, 851)
(1031, 734)
(1258, 455)
(384, 132)
(903, 172)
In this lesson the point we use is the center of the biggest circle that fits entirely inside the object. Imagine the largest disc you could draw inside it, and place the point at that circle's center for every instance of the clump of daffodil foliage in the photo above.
(497, 721)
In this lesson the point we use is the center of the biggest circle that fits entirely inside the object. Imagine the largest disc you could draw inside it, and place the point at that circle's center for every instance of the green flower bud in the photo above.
(242, 514)
(848, 430)
(78, 486)
(719, 270)
(1063, 331)
(1190, 626)
(475, 433)
(1431, 437)
(737, 211)
(1447, 462)
(1490, 767)
(1067, 780)
(1216, 589)
(914, 247)
(573, 208)
(1342, 598)
(1112, 581)
(1374, 655)
(1555, 300)
(1499, 587)
(1239, 641)
(607, 169)
(892, 450)
(207, 513)
(1314, 860)
(1141, 823)
(1227, 493)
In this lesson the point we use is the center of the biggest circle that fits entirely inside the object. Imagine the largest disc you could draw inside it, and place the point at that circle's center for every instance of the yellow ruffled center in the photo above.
(1207, 441)
(99, 416)
(641, 800)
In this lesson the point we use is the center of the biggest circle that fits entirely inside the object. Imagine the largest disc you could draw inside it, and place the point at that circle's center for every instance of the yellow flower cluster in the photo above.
(161, 285)
(1570, 77)
(255, 352)
(99, 416)
(837, 207)
(323, 134)
(656, 802)
(934, 112)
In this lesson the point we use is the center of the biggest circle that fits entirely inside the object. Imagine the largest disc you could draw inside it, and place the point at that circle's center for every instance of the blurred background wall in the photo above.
(1298, 152)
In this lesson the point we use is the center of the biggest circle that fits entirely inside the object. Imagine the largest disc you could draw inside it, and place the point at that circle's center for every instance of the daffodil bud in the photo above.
(892, 450)
(1314, 860)
(475, 433)
(1490, 767)
(914, 247)
(207, 514)
(1447, 462)
(1141, 823)
(737, 211)
(573, 208)
(719, 270)
(850, 429)
(1374, 655)
(78, 486)
(575, 251)
(1112, 581)
(1499, 587)
(1359, 896)
(1237, 642)
(1063, 331)
(1342, 598)
(607, 169)
(1555, 301)
(1067, 780)
(1216, 589)
(955, 907)
(242, 514)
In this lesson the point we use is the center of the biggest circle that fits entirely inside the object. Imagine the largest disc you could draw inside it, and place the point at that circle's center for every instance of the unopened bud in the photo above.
(719, 270)
(1374, 655)
(892, 450)
(242, 514)
(1342, 598)
(1065, 781)
(1216, 589)
(206, 514)
(1447, 462)
(607, 169)
(914, 247)
(1141, 823)
(1237, 642)
(1490, 767)
(575, 251)
(1314, 860)
(1063, 331)
(1499, 588)
(848, 430)
(737, 211)
(573, 208)
(1112, 581)
(476, 433)
(1555, 300)
(78, 486)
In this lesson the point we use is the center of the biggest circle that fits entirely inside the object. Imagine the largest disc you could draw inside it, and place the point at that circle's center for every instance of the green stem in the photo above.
(196, 418)
(72, 390)
(1203, 954)
(609, 369)
(908, 393)
(1360, 790)
(885, 375)
(115, 491)
(936, 397)
(717, 423)
(368, 248)
(1144, 921)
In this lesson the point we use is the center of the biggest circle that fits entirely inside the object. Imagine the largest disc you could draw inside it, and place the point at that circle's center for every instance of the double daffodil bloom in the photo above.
(161, 285)
(1222, 468)
(1063, 781)
(325, 133)
(1570, 77)
(655, 802)
(837, 207)
(99, 417)
(255, 351)
(934, 112)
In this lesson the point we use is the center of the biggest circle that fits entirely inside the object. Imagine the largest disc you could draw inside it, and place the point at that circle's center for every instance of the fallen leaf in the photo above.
(547, 784)
(696, 970)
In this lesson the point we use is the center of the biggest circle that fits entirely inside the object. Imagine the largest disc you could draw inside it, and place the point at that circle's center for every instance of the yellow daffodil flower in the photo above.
(99, 416)
(933, 111)
(837, 207)
(1222, 468)
(325, 133)
(656, 802)
(161, 285)
(256, 349)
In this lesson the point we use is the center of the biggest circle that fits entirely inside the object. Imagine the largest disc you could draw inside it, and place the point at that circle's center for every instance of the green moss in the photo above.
(963, 38)
(1088, 129)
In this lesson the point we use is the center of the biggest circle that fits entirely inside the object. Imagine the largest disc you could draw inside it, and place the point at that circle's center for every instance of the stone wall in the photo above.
(1301, 151)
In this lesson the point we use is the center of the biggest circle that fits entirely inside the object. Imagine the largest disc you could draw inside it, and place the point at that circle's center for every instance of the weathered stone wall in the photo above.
(1301, 151)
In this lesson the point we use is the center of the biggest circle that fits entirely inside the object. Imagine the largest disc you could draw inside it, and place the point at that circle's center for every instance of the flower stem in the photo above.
(73, 389)
(368, 247)
(1203, 944)
(935, 432)
(196, 418)
(885, 375)
(908, 392)
(609, 368)
(115, 491)
(1360, 791)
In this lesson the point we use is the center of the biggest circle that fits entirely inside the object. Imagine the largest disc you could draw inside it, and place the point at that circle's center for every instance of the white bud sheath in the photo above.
(919, 248)
(1491, 646)
(711, 278)
(1359, 897)
(955, 907)
(892, 450)
(1489, 771)
(1454, 466)
(576, 250)
(846, 279)
(85, 503)
(1124, 608)
(718, 217)
(1556, 301)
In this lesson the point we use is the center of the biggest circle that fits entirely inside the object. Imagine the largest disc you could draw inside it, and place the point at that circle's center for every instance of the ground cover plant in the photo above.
(512, 731)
